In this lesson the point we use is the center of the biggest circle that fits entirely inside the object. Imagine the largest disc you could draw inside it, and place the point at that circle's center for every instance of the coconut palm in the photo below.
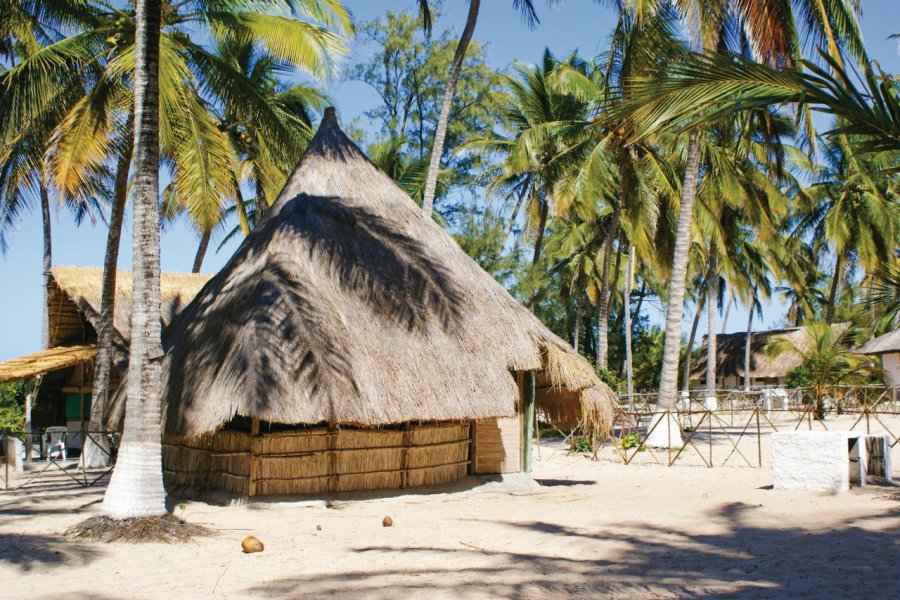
(772, 37)
(827, 359)
(201, 150)
(526, 9)
(545, 129)
(136, 488)
(853, 205)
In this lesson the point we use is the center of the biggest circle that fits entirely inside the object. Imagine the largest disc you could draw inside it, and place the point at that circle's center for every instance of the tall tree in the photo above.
(526, 8)
(136, 488)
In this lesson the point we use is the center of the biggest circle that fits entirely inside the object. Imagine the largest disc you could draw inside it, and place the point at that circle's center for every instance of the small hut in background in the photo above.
(765, 371)
(350, 344)
(67, 367)
(886, 346)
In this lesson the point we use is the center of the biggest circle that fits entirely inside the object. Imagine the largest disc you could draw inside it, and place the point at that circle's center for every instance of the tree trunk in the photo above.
(602, 299)
(748, 345)
(626, 305)
(712, 309)
(637, 308)
(47, 264)
(577, 319)
(727, 311)
(515, 213)
(201, 252)
(96, 448)
(688, 357)
(440, 131)
(668, 385)
(539, 241)
(832, 295)
(136, 488)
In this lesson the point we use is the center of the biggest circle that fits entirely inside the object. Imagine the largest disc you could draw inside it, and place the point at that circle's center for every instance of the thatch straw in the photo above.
(883, 344)
(84, 285)
(345, 306)
(44, 361)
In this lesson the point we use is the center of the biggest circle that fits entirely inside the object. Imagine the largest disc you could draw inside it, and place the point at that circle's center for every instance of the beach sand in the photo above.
(589, 529)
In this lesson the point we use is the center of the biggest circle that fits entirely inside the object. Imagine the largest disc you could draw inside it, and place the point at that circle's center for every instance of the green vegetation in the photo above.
(12, 406)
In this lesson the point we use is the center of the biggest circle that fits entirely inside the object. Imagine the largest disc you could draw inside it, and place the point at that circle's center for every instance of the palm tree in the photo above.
(526, 9)
(827, 359)
(853, 205)
(136, 488)
(545, 128)
(772, 38)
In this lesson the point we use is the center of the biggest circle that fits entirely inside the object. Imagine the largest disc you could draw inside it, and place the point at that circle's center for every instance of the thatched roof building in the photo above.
(764, 370)
(889, 343)
(74, 310)
(887, 347)
(344, 307)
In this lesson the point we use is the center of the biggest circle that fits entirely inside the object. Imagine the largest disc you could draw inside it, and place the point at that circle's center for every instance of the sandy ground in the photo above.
(591, 529)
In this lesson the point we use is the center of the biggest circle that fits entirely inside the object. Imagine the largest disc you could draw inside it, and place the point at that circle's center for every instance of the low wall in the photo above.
(315, 461)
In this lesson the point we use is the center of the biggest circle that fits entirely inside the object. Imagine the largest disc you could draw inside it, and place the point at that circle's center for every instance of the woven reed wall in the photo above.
(496, 445)
(315, 461)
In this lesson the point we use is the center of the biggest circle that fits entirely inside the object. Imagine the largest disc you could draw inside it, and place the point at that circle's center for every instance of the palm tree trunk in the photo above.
(577, 319)
(668, 385)
(626, 305)
(727, 311)
(832, 295)
(712, 308)
(748, 345)
(602, 300)
(96, 447)
(539, 241)
(136, 488)
(515, 213)
(201, 252)
(47, 264)
(688, 357)
(637, 307)
(440, 131)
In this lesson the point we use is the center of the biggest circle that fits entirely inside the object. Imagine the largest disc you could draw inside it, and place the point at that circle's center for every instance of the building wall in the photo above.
(497, 446)
(891, 365)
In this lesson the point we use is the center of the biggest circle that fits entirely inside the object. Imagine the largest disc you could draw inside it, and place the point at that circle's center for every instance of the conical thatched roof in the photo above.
(345, 306)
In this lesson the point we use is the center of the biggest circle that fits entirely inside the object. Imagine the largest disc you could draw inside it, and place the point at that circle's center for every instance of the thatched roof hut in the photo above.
(764, 370)
(74, 310)
(345, 307)
(74, 303)
(889, 343)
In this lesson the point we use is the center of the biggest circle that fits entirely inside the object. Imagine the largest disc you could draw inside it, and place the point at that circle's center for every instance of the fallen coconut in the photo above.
(251, 544)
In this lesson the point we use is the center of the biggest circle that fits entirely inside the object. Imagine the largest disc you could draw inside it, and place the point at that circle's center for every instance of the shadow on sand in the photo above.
(746, 561)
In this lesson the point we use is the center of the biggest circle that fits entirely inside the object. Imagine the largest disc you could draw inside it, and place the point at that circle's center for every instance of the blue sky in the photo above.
(568, 25)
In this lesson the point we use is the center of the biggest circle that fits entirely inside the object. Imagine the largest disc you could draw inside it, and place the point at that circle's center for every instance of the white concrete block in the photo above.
(816, 460)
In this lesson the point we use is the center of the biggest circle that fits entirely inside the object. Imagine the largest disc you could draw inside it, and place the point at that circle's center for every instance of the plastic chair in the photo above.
(55, 442)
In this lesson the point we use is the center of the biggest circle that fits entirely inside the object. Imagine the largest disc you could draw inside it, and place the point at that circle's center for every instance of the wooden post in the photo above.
(528, 419)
